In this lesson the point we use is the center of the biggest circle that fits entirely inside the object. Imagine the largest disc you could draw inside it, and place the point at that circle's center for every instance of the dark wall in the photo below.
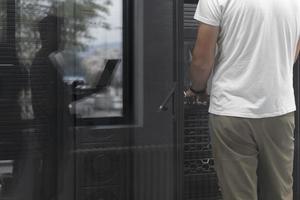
(297, 134)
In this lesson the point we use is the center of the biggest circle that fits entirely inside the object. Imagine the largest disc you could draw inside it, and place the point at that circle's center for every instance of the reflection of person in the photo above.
(252, 100)
(45, 79)
(47, 99)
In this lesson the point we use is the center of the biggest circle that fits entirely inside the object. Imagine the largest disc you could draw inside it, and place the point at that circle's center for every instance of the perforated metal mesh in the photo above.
(199, 175)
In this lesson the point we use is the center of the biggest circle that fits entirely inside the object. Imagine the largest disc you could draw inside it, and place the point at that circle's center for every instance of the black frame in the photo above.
(179, 100)
(296, 172)
(127, 78)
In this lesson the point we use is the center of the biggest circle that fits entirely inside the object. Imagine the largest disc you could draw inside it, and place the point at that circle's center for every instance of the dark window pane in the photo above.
(3, 21)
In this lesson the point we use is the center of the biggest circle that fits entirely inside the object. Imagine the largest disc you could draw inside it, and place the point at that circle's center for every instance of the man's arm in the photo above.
(298, 50)
(203, 56)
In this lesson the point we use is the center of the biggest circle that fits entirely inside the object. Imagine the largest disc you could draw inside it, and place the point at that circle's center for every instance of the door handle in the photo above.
(163, 106)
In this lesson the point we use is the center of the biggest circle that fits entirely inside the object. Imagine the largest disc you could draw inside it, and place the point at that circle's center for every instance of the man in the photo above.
(252, 100)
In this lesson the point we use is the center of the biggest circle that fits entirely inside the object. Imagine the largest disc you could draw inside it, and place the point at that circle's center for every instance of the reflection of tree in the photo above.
(82, 15)
(78, 16)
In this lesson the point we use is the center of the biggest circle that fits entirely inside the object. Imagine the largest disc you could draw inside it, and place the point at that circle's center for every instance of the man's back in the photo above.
(253, 74)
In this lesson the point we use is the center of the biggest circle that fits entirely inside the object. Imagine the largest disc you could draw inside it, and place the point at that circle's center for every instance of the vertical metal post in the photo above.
(297, 135)
(178, 100)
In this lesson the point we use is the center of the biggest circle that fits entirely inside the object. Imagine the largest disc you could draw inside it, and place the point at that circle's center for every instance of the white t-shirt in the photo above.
(253, 72)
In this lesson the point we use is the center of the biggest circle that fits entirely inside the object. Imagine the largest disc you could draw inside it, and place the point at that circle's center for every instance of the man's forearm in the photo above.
(199, 75)
(203, 56)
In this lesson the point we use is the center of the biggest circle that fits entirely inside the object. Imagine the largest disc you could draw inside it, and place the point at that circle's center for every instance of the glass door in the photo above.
(95, 102)
(126, 135)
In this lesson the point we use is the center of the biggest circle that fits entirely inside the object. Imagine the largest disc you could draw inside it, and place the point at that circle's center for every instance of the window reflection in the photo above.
(73, 55)
(92, 34)
(3, 21)
(104, 42)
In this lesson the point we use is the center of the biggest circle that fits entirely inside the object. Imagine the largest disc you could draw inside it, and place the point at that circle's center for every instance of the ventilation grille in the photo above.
(189, 11)
(200, 180)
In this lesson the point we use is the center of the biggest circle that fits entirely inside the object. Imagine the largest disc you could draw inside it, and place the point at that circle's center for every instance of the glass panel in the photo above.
(87, 60)
(90, 56)
(73, 55)
(64, 47)
(3, 21)
(37, 163)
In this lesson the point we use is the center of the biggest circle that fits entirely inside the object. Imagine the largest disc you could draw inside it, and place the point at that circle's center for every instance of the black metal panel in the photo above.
(103, 164)
(200, 179)
(103, 193)
(190, 25)
(297, 136)
(107, 170)
(153, 154)
(178, 101)
(158, 71)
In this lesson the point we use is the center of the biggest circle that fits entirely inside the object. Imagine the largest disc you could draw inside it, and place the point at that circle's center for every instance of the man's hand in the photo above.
(189, 93)
(201, 99)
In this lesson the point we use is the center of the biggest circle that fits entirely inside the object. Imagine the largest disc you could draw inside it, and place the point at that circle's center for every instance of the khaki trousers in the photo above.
(254, 157)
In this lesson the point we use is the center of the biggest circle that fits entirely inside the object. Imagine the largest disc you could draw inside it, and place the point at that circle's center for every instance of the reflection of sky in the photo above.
(115, 19)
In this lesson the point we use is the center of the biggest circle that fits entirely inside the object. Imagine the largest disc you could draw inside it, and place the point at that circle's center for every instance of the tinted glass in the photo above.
(98, 87)
(3, 21)
(71, 54)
